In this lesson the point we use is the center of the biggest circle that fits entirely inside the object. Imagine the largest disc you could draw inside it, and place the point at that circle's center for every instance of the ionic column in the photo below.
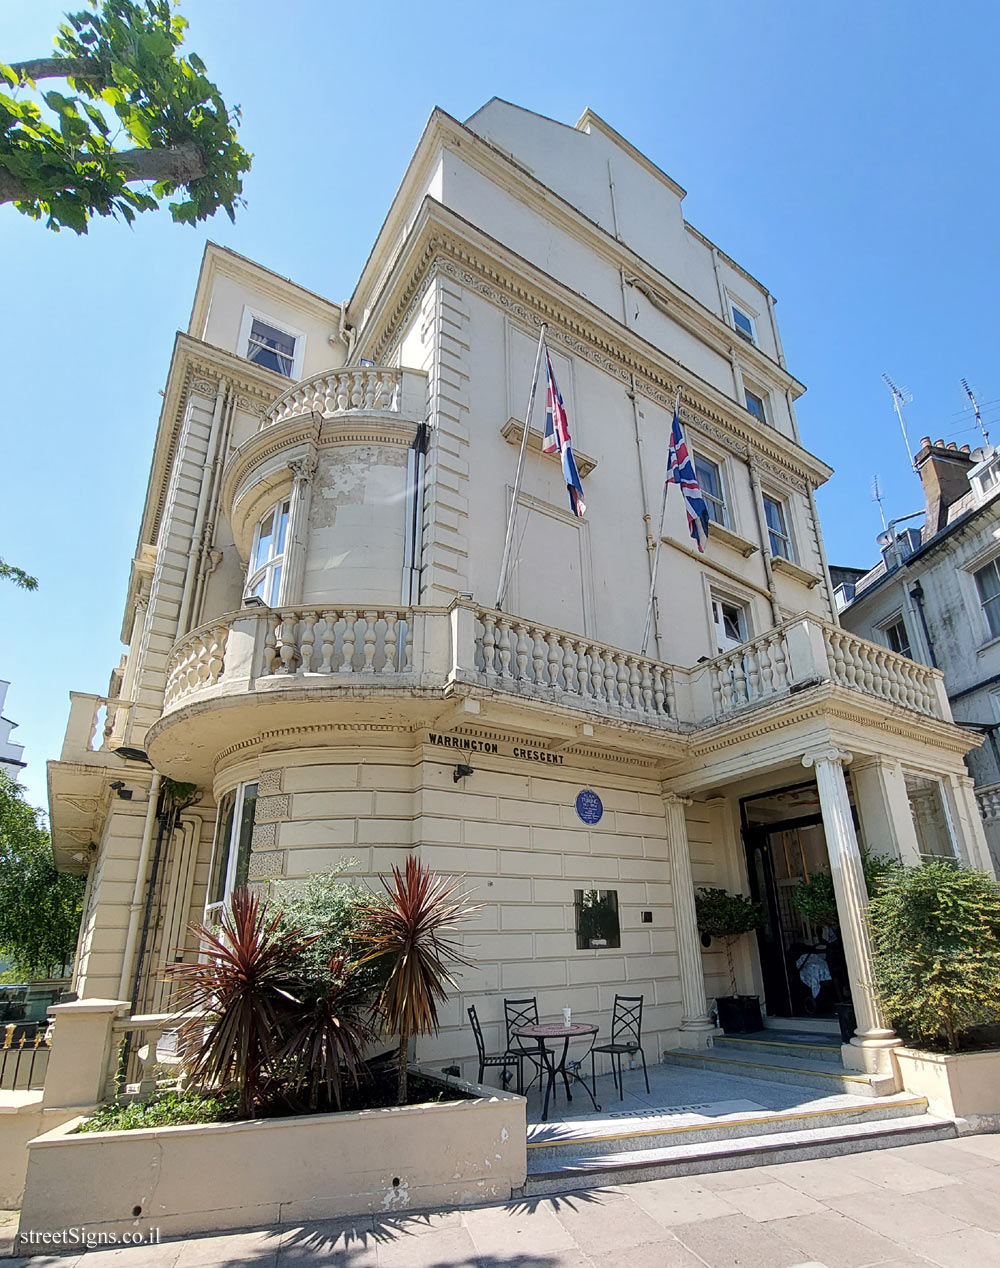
(696, 1025)
(303, 470)
(869, 1049)
(884, 807)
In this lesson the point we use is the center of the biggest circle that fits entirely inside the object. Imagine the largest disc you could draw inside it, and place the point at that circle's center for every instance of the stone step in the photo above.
(597, 1136)
(588, 1171)
(780, 1046)
(797, 1071)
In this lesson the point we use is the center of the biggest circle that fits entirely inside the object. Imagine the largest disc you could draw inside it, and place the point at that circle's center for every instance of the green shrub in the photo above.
(815, 898)
(936, 935)
(169, 1109)
(727, 916)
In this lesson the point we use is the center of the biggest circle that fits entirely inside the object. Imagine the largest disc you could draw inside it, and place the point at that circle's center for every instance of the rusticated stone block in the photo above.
(265, 835)
(265, 863)
(271, 809)
(269, 782)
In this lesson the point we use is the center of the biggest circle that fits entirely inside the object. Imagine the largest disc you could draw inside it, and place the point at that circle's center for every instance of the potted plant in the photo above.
(729, 916)
(936, 937)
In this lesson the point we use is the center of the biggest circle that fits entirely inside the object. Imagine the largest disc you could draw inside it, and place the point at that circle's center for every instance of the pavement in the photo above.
(934, 1205)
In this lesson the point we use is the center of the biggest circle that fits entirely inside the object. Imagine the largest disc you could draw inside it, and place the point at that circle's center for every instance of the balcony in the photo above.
(371, 389)
(535, 674)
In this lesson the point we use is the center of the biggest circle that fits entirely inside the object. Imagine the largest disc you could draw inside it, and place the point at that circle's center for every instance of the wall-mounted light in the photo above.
(133, 754)
(119, 787)
(461, 770)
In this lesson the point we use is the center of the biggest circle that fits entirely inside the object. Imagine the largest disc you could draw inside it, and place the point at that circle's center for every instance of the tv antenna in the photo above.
(877, 496)
(899, 399)
(975, 406)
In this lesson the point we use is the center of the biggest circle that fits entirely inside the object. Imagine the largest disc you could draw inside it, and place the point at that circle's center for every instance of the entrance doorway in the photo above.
(802, 962)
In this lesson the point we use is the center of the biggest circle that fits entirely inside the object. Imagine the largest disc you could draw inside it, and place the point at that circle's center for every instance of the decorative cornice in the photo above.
(267, 738)
(444, 252)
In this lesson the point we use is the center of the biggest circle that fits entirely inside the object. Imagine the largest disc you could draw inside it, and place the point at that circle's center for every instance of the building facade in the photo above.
(11, 754)
(935, 596)
(312, 637)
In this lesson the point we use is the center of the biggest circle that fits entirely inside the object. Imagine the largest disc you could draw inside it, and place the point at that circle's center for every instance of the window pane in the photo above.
(246, 835)
(992, 609)
(779, 546)
(220, 849)
(264, 538)
(275, 586)
(988, 581)
(731, 622)
(756, 406)
(774, 515)
(743, 324)
(279, 547)
(708, 476)
(897, 638)
(930, 818)
(271, 348)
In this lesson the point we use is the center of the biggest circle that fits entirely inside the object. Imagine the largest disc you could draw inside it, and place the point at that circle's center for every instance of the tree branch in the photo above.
(176, 163)
(58, 68)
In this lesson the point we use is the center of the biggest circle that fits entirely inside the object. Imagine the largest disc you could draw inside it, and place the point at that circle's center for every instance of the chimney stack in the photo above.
(944, 473)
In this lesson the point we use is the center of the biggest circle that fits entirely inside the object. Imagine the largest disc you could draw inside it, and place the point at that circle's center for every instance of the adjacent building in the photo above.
(313, 638)
(11, 755)
(935, 596)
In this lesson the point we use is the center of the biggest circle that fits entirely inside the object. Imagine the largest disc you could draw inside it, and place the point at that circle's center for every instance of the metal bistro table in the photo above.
(542, 1033)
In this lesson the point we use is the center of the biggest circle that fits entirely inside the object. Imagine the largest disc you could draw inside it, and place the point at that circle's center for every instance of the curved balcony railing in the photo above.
(378, 647)
(368, 388)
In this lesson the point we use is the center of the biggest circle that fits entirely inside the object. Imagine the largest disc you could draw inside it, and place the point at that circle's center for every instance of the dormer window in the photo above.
(268, 555)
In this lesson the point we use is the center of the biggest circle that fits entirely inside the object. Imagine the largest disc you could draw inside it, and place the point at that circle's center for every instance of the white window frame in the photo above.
(711, 501)
(233, 846)
(751, 389)
(974, 571)
(720, 597)
(243, 347)
(275, 561)
(897, 618)
(943, 793)
(786, 519)
(738, 306)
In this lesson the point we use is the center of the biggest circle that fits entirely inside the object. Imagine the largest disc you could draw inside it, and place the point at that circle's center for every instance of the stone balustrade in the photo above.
(378, 647)
(522, 656)
(368, 388)
(97, 724)
(362, 641)
(854, 662)
(988, 801)
(196, 662)
(135, 1054)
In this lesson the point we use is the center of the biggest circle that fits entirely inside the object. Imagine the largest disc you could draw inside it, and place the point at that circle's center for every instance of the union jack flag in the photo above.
(680, 471)
(556, 439)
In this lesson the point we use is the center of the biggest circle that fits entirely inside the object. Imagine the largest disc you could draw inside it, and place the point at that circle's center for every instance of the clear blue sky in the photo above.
(846, 154)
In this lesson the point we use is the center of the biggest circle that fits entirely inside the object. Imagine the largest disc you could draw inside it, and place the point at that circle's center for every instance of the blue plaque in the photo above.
(589, 806)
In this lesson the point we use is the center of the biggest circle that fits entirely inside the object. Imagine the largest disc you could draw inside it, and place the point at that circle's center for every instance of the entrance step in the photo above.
(596, 1135)
(797, 1071)
(589, 1168)
(827, 1026)
(782, 1043)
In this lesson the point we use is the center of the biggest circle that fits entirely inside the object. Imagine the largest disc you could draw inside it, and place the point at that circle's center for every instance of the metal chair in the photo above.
(503, 1061)
(522, 1012)
(626, 1040)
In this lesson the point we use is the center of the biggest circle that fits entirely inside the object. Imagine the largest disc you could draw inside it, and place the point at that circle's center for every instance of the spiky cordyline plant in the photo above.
(239, 992)
(326, 1035)
(412, 923)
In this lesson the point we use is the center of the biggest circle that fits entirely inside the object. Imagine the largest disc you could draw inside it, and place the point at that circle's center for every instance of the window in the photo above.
(710, 480)
(268, 554)
(730, 621)
(988, 585)
(743, 324)
(597, 918)
(931, 819)
(755, 404)
(270, 347)
(231, 848)
(897, 638)
(777, 528)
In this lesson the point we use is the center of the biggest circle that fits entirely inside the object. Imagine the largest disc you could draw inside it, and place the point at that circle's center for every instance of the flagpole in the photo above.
(508, 540)
(659, 535)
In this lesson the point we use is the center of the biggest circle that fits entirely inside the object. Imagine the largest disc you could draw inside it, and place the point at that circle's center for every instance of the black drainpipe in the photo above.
(917, 595)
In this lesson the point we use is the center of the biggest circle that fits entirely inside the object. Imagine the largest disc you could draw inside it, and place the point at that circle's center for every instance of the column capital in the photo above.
(674, 799)
(303, 469)
(826, 753)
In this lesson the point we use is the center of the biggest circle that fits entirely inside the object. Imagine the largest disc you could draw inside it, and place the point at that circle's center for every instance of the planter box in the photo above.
(739, 1014)
(957, 1085)
(279, 1170)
